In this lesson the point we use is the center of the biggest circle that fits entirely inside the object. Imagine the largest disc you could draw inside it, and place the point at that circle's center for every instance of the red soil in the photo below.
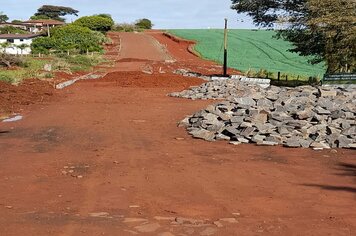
(111, 146)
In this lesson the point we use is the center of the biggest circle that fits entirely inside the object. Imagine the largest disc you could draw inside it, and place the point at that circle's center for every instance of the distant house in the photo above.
(35, 26)
(16, 43)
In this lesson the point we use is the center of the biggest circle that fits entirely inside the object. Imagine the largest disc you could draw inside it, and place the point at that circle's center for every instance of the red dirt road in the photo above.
(106, 158)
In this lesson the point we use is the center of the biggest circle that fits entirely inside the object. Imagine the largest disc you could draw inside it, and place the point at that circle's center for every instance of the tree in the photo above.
(306, 24)
(96, 23)
(335, 20)
(144, 24)
(40, 17)
(55, 12)
(69, 38)
(3, 18)
(16, 21)
(105, 16)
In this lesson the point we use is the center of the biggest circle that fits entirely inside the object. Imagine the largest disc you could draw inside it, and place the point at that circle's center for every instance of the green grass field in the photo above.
(251, 50)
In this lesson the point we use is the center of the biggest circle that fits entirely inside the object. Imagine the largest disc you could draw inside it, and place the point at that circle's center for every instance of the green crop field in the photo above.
(251, 50)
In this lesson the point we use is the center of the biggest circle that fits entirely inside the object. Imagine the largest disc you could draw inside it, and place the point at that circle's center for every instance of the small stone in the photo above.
(203, 134)
(235, 143)
(267, 143)
(248, 131)
(164, 218)
(319, 145)
(147, 228)
(47, 67)
(260, 118)
(344, 141)
(229, 220)
(166, 234)
(243, 140)
(222, 137)
(258, 138)
(218, 224)
(292, 143)
(134, 220)
(99, 214)
(245, 101)
(9, 207)
(321, 111)
(208, 231)
(184, 123)
(189, 221)
(325, 93)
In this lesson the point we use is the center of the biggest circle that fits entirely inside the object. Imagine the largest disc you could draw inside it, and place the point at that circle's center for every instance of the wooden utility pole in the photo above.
(225, 48)
(48, 31)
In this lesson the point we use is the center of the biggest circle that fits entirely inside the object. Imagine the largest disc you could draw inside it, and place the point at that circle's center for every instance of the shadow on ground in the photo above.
(345, 169)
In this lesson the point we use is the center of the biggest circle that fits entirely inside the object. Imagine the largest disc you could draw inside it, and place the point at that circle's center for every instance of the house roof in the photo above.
(44, 22)
(19, 36)
(11, 24)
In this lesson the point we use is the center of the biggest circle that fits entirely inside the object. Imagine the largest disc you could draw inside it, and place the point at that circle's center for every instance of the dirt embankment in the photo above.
(189, 44)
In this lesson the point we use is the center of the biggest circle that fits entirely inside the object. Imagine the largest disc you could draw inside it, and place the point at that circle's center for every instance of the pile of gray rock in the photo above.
(219, 89)
(320, 118)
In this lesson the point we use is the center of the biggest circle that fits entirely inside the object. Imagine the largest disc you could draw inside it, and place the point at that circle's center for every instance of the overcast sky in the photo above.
(165, 14)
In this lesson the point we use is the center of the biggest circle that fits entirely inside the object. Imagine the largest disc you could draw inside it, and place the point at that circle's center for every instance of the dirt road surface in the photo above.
(106, 158)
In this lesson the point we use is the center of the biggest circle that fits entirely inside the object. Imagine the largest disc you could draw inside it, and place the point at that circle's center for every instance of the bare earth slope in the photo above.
(107, 158)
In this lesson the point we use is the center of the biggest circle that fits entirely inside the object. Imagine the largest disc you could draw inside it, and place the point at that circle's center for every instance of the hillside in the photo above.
(251, 49)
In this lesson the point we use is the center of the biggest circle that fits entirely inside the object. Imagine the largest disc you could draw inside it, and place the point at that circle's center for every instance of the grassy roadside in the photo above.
(34, 67)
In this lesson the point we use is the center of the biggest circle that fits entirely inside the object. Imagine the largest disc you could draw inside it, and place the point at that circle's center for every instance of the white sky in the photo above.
(165, 14)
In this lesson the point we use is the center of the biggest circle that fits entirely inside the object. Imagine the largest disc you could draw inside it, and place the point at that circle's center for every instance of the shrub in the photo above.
(69, 38)
(7, 60)
(6, 78)
(97, 23)
(125, 27)
(42, 45)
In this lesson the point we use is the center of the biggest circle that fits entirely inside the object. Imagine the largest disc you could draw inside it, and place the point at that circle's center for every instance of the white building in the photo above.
(15, 43)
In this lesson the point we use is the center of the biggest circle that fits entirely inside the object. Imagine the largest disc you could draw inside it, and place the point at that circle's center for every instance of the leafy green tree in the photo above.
(335, 20)
(16, 21)
(40, 17)
(43, 45)
(144, 24)
(306, 26)
(69, 38)
(55, 12)
(3, 18)
(96, 23)
(105, 16)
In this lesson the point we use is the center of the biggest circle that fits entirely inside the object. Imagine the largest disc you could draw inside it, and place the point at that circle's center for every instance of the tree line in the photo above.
(86, 34)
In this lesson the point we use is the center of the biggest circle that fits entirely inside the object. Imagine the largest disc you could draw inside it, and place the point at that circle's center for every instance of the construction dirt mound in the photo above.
(142, 80)
(29, 92)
